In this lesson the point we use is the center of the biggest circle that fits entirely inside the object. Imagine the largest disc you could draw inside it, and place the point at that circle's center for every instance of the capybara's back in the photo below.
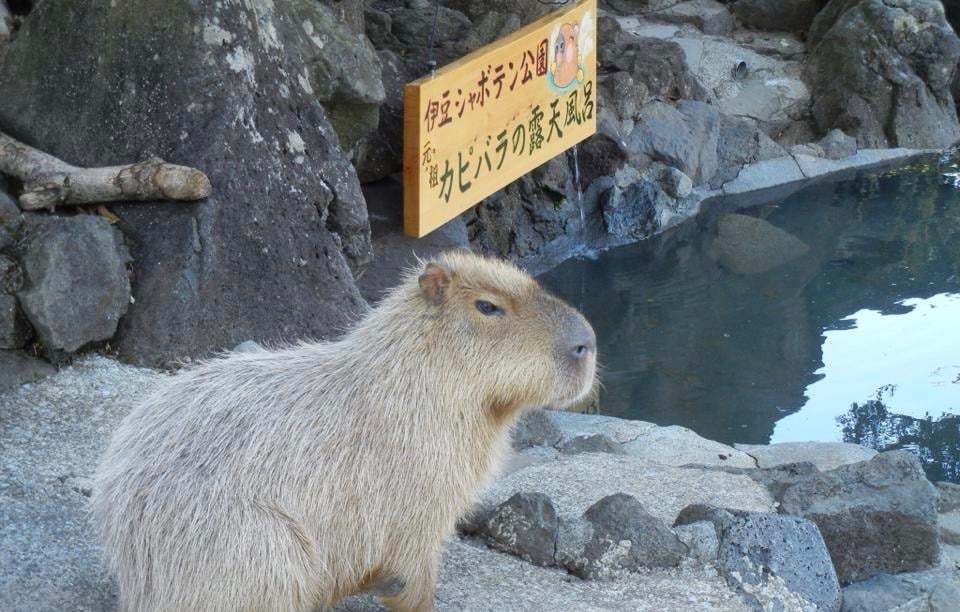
(285, 480)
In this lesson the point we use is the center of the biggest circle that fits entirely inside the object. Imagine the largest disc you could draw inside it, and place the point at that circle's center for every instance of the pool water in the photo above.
(832, 314)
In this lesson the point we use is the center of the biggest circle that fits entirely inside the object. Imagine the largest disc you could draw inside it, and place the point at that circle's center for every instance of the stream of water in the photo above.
(833, 314)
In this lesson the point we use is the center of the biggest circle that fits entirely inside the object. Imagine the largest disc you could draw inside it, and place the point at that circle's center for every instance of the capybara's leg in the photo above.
(418, 591)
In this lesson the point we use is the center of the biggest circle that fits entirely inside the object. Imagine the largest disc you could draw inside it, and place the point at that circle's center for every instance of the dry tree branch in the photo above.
(48, 181)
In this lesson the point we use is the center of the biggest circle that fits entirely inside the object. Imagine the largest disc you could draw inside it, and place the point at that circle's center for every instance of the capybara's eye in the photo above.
(488, 308)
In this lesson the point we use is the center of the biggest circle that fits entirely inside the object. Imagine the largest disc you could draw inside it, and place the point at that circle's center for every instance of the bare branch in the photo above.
(49, 182)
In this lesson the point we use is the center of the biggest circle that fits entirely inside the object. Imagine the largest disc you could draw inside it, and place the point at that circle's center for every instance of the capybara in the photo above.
(285, 480)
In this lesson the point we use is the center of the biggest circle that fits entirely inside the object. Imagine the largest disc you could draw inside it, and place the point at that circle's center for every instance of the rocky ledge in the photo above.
(591, 512)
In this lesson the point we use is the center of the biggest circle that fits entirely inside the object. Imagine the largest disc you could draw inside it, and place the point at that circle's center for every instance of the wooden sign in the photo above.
(476, 125)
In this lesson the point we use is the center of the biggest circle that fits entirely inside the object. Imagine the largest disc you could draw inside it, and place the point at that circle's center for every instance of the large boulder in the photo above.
(682, 136)
(224, 87)
(877, 516)
(75, 279)
(619, 535)
(882, 72)
(747, 246)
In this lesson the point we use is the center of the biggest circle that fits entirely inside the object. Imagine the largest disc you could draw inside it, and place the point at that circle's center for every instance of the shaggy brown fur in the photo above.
(286, 480)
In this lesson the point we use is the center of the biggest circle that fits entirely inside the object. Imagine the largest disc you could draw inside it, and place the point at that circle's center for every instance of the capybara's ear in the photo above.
(434, 282)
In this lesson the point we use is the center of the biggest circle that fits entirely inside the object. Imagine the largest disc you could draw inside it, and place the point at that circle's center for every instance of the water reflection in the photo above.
(770, 322)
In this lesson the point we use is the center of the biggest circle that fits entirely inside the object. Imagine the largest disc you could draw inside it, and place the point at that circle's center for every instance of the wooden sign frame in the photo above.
(479, 123)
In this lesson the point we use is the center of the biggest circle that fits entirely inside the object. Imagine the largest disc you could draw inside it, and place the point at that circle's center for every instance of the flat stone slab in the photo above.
(671, 445)
(824, 455)
(766, 174)
(679, 446)
(573, 424)
(576, 482)
(867, 158)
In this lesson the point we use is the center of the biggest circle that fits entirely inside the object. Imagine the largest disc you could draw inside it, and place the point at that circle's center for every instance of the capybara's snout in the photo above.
(577, 351)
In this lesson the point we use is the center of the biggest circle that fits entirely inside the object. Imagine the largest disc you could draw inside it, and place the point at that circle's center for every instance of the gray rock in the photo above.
(676, 183)
(757, 546)
(412, 26)
(536, 428)
(837, 145)
(738, 144)
(824, 455)
(630, 211)
(881, 71)
(381, 153)
(622, 94)
(532, 217)
(748, 245)
(777, 15)
(286, 224)
(17, 368)
(660, 65)
(76, 286)
(949, 496)
(684, 137)
(14, 329)
(878, 516)
(709, 16)
(11, 277)
(623, 536)
(931, 591)
(700, 538)
(525, 525)
(344, 72)
(477, 9)
(591, 443)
